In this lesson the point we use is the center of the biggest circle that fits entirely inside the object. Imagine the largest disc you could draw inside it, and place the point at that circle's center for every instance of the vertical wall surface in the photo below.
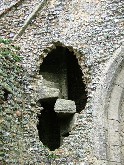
(92, 30)
(108, 105)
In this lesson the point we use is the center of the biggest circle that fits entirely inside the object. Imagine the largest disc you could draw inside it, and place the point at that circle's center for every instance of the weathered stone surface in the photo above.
(114, 163)
(114, 105)
(46, 93)
(120, 79)
(94, 30)
(115, 153)
(65, 106)
(50, 84)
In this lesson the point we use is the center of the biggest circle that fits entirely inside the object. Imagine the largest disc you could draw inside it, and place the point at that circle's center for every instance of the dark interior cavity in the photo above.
(6, 94)
(76, 87)
(60, 69)
(49, 127)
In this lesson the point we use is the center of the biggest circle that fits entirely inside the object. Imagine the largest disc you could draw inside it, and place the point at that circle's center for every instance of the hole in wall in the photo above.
(49, 126)
(6, 94)
(60, 70)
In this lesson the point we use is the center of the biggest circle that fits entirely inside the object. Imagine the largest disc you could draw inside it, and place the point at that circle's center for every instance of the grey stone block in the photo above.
(50, 84)
(46, 93)
(65, 106)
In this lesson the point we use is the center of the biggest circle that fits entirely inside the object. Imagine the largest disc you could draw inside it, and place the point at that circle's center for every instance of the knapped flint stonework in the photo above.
(93, 30)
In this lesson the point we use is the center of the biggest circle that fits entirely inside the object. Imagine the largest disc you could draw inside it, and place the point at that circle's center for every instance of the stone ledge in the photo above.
(65, 106)
(46, 93)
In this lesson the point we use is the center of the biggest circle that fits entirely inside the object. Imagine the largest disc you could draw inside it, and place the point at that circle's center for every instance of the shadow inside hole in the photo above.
(60, 69)
(6, 94)
(49, 126)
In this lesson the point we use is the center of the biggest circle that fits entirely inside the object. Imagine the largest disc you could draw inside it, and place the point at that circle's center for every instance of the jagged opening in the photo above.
(60, 69)
(6, 93)
(76, 87)
(49, 126)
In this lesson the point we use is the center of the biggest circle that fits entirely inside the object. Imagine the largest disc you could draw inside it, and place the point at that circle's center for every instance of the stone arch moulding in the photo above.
(61, 93)
(108, 112)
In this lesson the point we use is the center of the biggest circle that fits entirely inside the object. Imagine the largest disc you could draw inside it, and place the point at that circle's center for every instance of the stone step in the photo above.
(65, 106)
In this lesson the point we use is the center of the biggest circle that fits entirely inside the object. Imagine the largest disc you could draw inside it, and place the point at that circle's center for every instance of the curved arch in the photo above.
(107, 107)
(114, 120)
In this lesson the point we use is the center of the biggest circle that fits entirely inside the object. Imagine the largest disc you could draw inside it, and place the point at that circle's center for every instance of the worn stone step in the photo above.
(65, 106)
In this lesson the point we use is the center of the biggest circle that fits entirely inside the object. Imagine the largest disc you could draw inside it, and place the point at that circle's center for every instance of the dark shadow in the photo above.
(76, 87)
(49, 127)
(6, 93)
(60, 69)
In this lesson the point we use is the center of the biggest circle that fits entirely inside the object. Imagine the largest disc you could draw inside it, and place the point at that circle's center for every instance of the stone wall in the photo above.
(92, 29)
(108, 110)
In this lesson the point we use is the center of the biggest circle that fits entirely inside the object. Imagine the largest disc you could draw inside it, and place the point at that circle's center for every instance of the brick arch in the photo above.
(107, 105)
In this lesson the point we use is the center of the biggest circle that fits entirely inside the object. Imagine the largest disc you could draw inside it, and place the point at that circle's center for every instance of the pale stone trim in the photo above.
(101, 104)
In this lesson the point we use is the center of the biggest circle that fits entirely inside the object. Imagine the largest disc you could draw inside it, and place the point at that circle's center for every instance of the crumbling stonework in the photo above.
(92, 30)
